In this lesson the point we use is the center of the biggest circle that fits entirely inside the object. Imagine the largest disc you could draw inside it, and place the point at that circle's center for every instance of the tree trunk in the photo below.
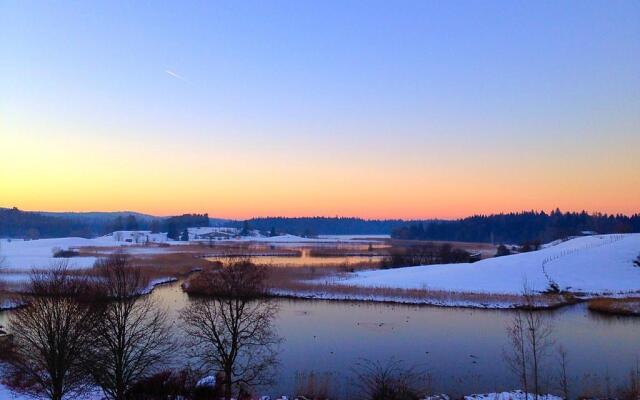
(227, 384)
(534, 352)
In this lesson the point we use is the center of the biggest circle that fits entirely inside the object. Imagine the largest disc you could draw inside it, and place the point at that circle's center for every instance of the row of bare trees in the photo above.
(100, 333)
(79, 332)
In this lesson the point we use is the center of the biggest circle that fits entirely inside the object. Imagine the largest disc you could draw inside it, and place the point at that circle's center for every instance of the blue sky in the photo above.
(376, 89)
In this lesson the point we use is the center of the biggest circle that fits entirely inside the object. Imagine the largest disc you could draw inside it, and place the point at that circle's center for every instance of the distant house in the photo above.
(212, 233)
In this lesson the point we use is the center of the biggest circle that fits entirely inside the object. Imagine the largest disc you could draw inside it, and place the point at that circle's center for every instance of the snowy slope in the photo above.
(20, 254)
(593, 264)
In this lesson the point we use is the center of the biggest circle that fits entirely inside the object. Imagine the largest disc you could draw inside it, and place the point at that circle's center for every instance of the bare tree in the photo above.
(531, 337)
(631, 391)
(391, 380)
(230, 330)
(50, 335)
(563, 365)
(2, 258)
(518, 357)
(310, 385)
(2, 262)
(539, 335)
(131, 336)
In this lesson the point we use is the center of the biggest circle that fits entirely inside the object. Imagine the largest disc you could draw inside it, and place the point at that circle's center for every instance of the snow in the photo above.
(514, 395)
(600, 264)
(157, 282)
(136, 237)
(24, 255)
(8, 304)
(18, 254)
(447, 301)
(6, 394)
(207, 381)
(215, 233)
(28, 254)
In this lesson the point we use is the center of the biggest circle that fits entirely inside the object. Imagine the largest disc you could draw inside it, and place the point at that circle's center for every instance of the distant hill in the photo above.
(16, 223)
(20, 224)
(218, 222)
(97, 215)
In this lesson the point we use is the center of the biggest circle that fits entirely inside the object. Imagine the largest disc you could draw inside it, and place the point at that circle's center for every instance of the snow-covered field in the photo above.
(28, 254)
(18, 254)
(600, 264)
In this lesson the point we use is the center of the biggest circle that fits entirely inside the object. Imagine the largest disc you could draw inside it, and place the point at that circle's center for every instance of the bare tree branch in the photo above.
(132, 336)
(51, 335)
(231, 329)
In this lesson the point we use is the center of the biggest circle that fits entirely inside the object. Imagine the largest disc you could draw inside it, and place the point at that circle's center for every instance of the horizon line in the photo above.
(521, 211)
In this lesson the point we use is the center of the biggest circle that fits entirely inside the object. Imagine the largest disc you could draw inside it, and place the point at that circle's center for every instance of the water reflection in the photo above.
(460, 348)
(306, 258)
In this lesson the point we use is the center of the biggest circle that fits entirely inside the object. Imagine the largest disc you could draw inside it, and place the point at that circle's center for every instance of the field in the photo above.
(355, 268)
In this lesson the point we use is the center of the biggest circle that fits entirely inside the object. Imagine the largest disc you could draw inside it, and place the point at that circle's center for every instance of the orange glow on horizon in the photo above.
(62, 172)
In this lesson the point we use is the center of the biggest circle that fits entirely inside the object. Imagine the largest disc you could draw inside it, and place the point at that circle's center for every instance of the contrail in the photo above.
(175, 75)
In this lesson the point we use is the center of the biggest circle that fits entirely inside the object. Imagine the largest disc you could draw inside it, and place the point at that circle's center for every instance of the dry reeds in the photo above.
(319, 283)
(626, 306)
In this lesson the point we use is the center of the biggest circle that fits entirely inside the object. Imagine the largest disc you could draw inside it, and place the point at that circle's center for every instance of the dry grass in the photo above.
(199, 248)
(170, 265)
(627, 306)
(487, 250)
(307, 282)
(338, 252)
(316, 282)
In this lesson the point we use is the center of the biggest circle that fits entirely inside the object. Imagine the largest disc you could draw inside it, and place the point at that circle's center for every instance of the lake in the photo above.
(460, 348)
(307, 259)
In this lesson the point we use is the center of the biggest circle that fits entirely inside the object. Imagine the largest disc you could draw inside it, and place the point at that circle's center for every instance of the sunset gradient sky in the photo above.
(374, 109)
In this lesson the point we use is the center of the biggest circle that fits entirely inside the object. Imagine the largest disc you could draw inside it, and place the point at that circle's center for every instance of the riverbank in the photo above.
(428, 298)
(624, 307)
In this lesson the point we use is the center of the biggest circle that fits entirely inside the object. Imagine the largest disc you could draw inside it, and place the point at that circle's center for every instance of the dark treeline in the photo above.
(15, 223)
(519, 227)
(19, 224)
(174, 226)
(309, 226)
(500, 228)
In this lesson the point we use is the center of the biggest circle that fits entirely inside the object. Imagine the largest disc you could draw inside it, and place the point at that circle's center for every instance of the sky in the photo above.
(377, 109)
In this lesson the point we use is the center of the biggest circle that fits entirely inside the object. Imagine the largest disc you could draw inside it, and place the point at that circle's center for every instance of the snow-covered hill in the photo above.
(594, 264)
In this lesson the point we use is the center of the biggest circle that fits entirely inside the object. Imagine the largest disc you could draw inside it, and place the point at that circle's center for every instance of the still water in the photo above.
(307, 259)
(461, 349)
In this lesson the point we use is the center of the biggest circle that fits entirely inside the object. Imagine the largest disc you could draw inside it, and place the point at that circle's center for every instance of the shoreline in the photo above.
(428, 302)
